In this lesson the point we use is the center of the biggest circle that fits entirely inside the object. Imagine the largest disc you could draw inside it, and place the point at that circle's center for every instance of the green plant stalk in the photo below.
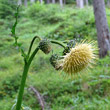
(58, 42)
(26, 68)
(32, 42)
(23, 80)
(14, 26)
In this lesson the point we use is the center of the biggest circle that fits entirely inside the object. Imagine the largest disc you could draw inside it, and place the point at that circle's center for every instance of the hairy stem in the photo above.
(23, 80)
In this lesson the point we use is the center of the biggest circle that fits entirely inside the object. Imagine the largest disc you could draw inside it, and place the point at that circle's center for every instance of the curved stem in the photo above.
(26, 68)
(58, 42)
(32, 42)
(23, 80)
(66, 41)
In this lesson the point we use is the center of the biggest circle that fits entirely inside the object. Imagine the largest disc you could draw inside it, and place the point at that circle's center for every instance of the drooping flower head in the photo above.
(81, 57)
(54, 61)
(45, 46)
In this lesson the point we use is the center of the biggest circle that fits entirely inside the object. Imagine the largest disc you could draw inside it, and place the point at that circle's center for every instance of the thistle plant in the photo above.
(75, 57)
(44, 45)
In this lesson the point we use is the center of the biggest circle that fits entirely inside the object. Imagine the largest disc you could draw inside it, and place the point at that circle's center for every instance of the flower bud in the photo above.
(45, 46)
(54, 61)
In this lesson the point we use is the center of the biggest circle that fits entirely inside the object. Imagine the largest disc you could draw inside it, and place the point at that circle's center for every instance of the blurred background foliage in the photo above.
(87, 92)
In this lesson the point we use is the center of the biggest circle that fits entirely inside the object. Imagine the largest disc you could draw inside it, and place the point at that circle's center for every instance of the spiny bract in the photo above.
(70, 45)
(81, 57)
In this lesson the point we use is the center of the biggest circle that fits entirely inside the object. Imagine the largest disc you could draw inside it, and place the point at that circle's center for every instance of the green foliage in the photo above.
(71, 2)
(7, 8)
(36, 10)
(10, 86)
(76, 26)
(44, 13)
(90, 1)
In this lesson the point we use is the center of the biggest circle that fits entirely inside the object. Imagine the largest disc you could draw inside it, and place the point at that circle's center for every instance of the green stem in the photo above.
(26, 68)
(32, 42)
(14, 26)
(23, 80)
(66, 41)
(58, 42)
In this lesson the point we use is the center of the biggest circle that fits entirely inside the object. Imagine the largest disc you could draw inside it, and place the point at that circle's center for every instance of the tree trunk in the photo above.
(108, 3)
(25, 3)
(80, 3)
(64, 2)
(41, 1)
(19, 2)
(86, 2)
(48, 1)
(53, 1)
(61, 3)
(102, 27)
(32, 1)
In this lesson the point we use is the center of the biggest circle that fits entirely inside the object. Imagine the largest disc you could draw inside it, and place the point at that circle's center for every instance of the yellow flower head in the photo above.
(81, 57)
